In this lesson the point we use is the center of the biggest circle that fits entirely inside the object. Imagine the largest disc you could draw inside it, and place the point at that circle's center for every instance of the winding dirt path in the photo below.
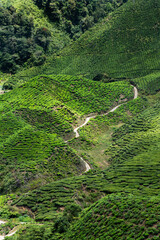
(87, 167)
(12, 232)
(112, 110)
(88, 118)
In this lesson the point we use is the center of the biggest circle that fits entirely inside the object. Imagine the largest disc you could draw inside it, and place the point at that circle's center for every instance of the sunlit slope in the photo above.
(134, 168)
(58, 38)
(138, 136)
(31, 150)
(30, 158)
(119, 217)
(80, 95)
(36, 116)
(126, 44)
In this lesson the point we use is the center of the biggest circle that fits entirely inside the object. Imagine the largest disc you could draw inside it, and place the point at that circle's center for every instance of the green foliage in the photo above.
(72, 211)
(6, 227)
(96, 136)
(123, 45)
(19, 41)
(26, 36)
(36, 232)
(122, 115)
(134, 168)
(136, 136)
(36, 114)
(78, 94)
(61, 224)
(30, 158)
(150, 83)
(76, 17)
(118, 216)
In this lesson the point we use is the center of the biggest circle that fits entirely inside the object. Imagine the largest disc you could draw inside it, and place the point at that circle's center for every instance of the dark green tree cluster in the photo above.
(20, 42)
(77, 16)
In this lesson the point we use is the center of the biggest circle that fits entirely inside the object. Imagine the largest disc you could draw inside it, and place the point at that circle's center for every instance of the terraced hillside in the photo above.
(125, 44)
(112, 217)
(138, 173)
(119, 217)
(40, 161)
(34, 118)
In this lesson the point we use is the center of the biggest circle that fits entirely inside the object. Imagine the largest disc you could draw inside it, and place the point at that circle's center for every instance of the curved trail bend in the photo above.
(112, 110)
(88, 118)
(12, 232)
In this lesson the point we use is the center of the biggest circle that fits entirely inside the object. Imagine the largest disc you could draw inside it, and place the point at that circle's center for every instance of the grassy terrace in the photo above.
(115, 47)
(96, 136)
(124, 217)
(134, 169)
(119, 197)
(37, 115)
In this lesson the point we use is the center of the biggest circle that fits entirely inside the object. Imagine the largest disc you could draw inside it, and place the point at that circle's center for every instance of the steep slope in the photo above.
(34, 118)
(136, 137)
(134, 169)
(31, 158)
(119, 217)
(76, 17)
(38, 17)
(27, 37)
(38, 114)
(125, 44)
(29, 34)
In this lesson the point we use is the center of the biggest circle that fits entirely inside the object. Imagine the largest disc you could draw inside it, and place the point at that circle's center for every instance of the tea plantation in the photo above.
(119, 217)
(46, 192)
(123, 45)
(136, 173)
(35, 116)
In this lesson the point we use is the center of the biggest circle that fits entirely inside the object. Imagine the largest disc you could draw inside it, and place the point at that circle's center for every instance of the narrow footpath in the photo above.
(12, 232)
(87, 167)
(88, 118)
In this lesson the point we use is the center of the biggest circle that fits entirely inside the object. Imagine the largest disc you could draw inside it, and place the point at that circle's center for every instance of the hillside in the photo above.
(27, 37)
(76, 17)
(115, 216)
(137, 173)
(119, 217)
(35, 116)
(31, 32)
(106, 84)
(115, 48)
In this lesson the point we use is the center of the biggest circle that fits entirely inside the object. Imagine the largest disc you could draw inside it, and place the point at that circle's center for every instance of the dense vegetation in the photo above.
(33, 118)
(119, 217)
(123, 45)
(20, 41)
(115, 216)
(74, 16)
(138, 174)
(41, 173)
(139, 171)
(27, 37)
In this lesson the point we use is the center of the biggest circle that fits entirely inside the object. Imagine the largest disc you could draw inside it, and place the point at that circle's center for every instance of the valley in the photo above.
(79, 120)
